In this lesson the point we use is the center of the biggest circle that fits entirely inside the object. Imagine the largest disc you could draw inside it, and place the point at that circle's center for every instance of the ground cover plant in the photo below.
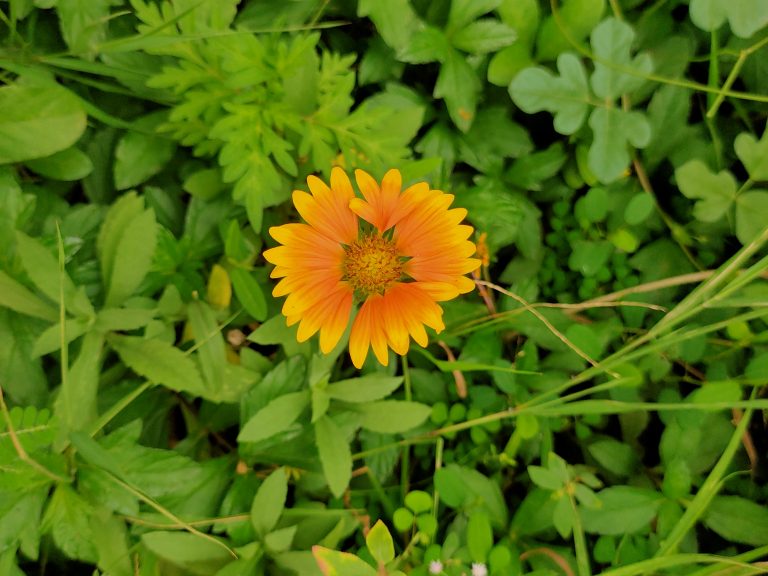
(563, 204)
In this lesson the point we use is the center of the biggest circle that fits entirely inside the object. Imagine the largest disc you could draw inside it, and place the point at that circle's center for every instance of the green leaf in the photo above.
(364, 388)
(738, 520)
(111, 541)
(393, 416)
(458, 84)
(479, 537)
(335, 455)
(545, 478)
(418, 501)
(624, 510)
(43, 269)
(159, 362)
(249, 293)
(76, 403)
(39, 119)
(744, 16)
(566, 96)
(426, 45)
(83, 23)
(483, 36)
(198, 556)
(612, 42)
(380, 544)
(395, 20)
(714, 192)
(751, 210)
(614, 456)
(68, 165)
(275, 417)
(269, 502)
(139, 154)
(614, 130)
(211, 349)
(589, 257)
(15, 296)
(753, 154)
(120, 214)
(333, 563)
(132, 257)
(465, 11)
(67, 519)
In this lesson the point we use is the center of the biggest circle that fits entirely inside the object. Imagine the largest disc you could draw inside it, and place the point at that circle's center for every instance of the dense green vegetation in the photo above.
(594, 406)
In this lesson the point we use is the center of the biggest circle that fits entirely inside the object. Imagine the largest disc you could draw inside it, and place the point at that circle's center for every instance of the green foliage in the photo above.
(596, 397)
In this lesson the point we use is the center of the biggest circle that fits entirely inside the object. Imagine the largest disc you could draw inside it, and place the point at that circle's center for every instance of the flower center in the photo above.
(371, 265)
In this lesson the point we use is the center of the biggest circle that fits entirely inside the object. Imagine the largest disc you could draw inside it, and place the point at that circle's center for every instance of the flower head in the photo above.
(479, 569)
(396, 253)
(435, 567)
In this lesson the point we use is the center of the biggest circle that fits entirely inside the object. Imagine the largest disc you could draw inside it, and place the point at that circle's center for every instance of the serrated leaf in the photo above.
(335, 455)
(76, 404)
(483, 36)
(269, 502)
(39, 119)
(465, 11)
(458, 84)
(744, 16)
(566, 96)
(611, 43)
(364, 388)
(67, 519)
(83, 23)
(614, 130)
(426, 45)
(159, 362)
(753, 154)
(380, 544)
(275, 417)
(714, 192)
(751, 212)
(393, 416)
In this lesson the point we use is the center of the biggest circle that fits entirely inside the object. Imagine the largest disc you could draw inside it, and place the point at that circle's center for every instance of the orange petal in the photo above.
(382, 201)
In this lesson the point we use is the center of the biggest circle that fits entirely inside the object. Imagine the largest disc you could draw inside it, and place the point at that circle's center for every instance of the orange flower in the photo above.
(397, 253)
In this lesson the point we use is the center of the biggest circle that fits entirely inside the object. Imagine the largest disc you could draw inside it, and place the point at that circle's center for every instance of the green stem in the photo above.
(579, 540)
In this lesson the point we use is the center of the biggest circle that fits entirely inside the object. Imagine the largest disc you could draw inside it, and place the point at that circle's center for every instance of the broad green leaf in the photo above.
(624, 510)
(566, 96)
(426, 45)
(458, 84)
(83, 23)
(269, 502)
(615, 456)
(320, 403)
(39, 119)
(753, 154)
(43, 269)
(335, 455)
(578, 17)
(15, 296)
(395, 20)
(333, 563)
(483, 36)
(393, 416)
(110, 538)
(523, 17)
(21, 374)
(380, 544)
(614, 130)
(76, 403)
(211, 349)
(463, 487)
(479, 536)
(249, 293)
(132, 258)
(123, 319)
(529, 171)
(744, 16)
(738, 520)
(589, 257)
(280, 540)
(507, 62)
(196, 555)
(67, 520)
(160, 363)
(612, 42)
(465, 11)
(139, 154)
(68, 165)
(127, 208)
(418, 501)
(545, 478)
(364, 388)
(714, 193)
(751, 215)
(563, 517)
(275, 417)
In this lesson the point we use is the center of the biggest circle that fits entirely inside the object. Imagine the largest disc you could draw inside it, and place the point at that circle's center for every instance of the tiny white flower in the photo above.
(479, 569)
(435, 567)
